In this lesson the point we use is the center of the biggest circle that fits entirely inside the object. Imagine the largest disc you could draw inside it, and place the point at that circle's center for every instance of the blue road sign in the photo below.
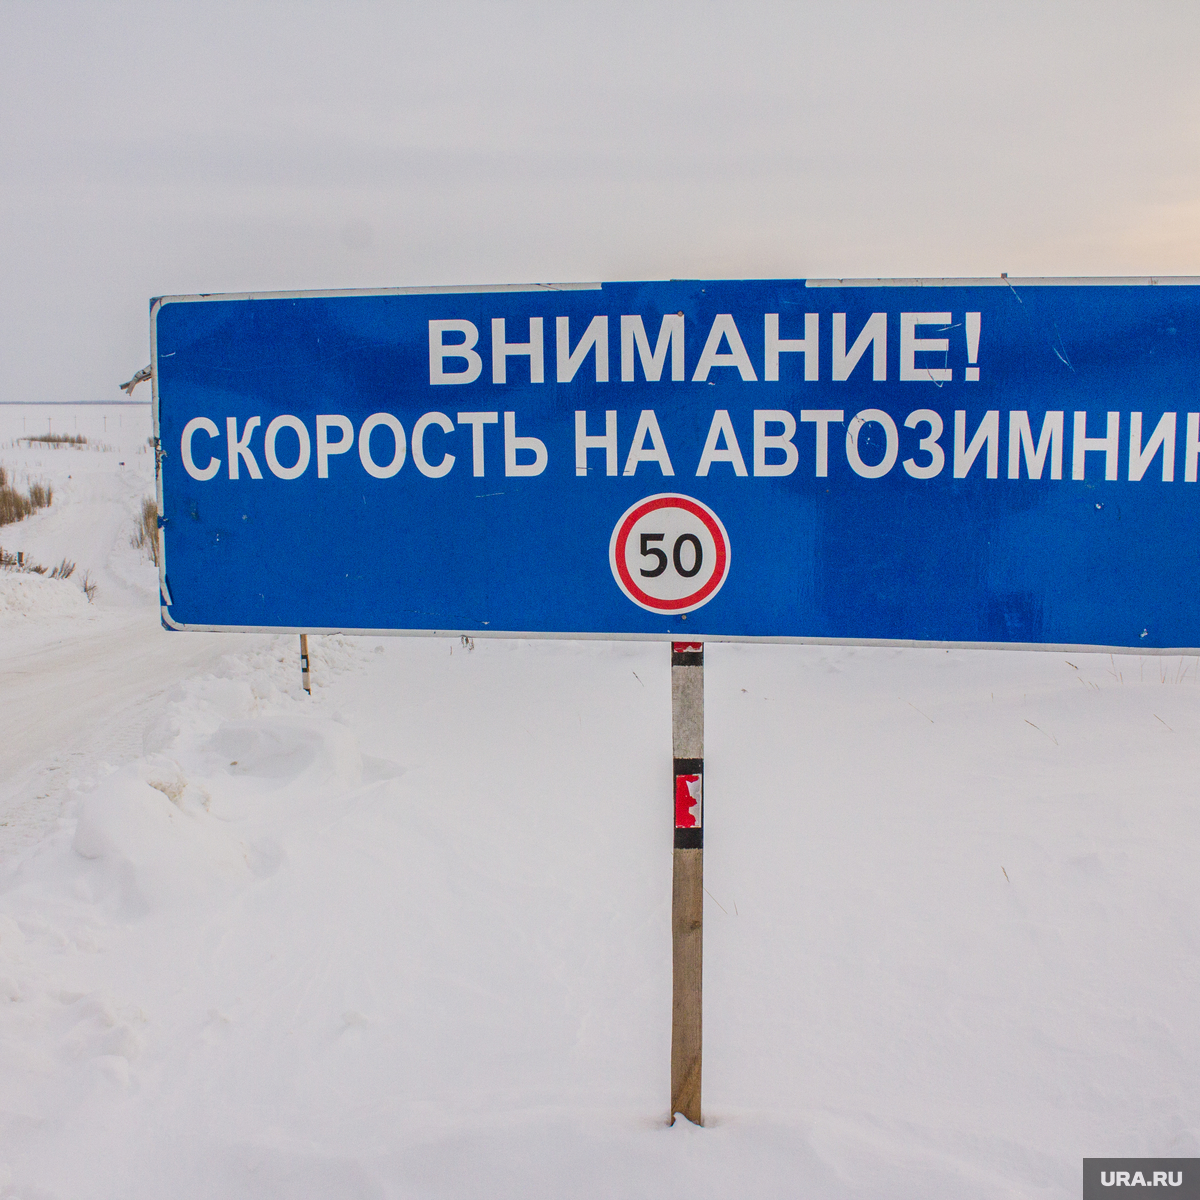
(971, 462)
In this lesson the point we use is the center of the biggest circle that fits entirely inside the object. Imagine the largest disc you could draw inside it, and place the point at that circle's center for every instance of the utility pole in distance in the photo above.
(687, 890)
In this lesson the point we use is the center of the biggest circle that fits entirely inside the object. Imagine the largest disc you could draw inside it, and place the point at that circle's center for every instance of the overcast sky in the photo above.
(206, 147)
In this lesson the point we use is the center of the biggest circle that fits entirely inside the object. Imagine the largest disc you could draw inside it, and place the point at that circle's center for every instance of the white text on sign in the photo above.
(760, 443)
(457, 356)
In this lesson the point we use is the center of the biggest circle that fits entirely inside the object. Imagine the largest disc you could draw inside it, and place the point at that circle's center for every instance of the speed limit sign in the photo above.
(669, 553)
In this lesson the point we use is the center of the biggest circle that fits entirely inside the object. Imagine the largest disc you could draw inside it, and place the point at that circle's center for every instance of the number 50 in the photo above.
(682, 540)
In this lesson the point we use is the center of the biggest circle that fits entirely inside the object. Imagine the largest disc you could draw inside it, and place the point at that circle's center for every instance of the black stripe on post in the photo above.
(686, 658)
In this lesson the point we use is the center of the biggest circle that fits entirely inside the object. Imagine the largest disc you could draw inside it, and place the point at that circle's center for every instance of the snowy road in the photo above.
(115, 674)
(79, 681)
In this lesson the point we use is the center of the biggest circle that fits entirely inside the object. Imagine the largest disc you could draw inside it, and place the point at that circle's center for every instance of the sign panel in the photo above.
(970, 462)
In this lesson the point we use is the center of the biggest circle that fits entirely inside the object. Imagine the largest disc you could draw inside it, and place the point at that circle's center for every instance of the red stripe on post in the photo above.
(688, 798)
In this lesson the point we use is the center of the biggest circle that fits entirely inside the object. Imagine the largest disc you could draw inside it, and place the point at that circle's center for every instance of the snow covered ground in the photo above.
(409, 936)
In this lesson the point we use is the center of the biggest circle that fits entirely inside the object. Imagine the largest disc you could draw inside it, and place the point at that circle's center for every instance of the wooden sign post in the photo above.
(687, 891)
(305, 681)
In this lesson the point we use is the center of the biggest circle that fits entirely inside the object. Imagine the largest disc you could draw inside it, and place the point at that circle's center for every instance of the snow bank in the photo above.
(26, 598)
(151, 832)
(98, 490)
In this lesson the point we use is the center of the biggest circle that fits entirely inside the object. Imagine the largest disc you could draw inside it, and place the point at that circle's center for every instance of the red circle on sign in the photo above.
(708, 519)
